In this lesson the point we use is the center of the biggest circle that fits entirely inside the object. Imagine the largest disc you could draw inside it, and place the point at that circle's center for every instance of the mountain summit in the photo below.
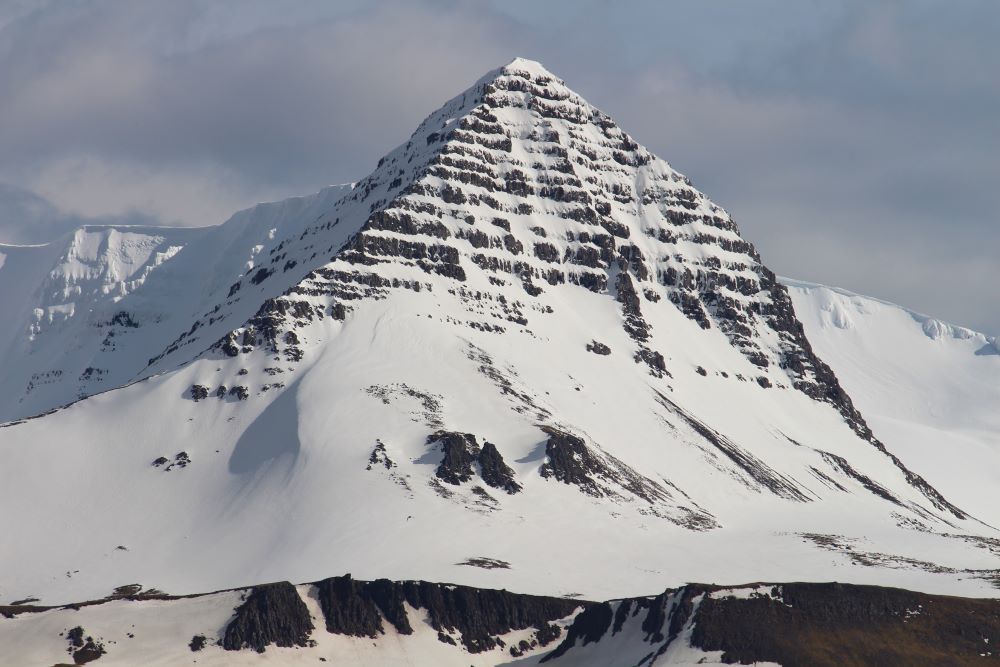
(523, 352)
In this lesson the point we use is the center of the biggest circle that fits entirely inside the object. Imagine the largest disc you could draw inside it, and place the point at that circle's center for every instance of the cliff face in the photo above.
(789, 624)
(343, 620)
(270, 614)
(475, 618)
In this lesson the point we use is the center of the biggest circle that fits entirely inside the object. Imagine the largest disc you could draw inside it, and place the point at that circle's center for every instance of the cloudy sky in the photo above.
(857, 143)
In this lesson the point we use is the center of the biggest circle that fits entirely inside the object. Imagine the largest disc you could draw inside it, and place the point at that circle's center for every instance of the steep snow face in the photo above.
(930, 390)
(62, 311)
(521, 325)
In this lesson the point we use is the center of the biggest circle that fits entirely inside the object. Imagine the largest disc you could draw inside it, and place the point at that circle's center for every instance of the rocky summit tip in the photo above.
(532, 67)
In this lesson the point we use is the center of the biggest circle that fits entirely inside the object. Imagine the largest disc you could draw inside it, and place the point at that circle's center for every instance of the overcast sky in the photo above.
(857, 143)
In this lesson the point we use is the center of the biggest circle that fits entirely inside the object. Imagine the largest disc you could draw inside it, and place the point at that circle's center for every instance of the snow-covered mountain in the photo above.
(522, 353)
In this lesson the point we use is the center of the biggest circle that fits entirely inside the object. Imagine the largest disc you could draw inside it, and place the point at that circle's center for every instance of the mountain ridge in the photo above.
(382, 621)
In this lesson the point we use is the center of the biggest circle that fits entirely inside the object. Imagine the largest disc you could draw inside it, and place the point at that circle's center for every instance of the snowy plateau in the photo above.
(523, 354)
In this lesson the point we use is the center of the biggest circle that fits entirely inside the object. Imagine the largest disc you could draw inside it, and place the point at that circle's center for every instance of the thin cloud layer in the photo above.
(855, 144)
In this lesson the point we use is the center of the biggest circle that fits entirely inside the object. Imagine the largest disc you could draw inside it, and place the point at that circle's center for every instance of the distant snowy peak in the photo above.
(85, 312)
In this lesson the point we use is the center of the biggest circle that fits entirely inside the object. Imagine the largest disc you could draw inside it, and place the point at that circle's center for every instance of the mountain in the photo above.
(522, 353)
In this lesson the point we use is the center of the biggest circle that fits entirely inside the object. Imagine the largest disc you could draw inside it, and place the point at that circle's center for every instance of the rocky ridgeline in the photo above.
(476, 618)
(793, 624)
(755, 472)
(824, 624)
(270, 614)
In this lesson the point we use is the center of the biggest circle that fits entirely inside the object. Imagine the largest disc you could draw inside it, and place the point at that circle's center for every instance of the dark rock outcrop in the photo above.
(570, 461)
(792, 624)
(356, 608)
(494, 471)
(83, 648)
(198, 392)
(596, 473)
(598, 348)
(588, 627)
(477, 616)
(271, 614)
(460, 453)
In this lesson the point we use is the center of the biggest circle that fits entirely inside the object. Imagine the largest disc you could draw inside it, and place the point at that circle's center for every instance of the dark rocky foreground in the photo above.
(473, 617)
(790, 624)
(271, 614)
(807, 624)
(839, 624)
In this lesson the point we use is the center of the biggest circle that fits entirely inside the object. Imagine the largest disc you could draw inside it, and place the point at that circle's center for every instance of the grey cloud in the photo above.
(313, 102)
(28, 219)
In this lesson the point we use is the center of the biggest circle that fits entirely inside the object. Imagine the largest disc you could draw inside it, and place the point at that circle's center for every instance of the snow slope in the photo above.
(520, 325)
(929, 389)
